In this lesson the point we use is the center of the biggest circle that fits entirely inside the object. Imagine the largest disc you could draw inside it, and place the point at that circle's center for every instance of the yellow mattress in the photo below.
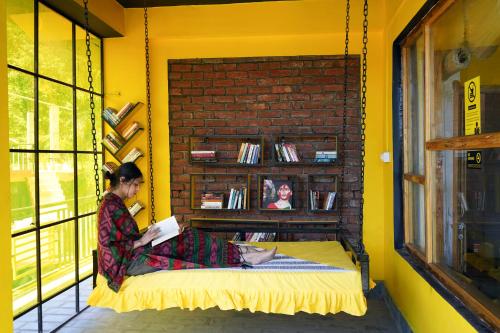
(281, 292)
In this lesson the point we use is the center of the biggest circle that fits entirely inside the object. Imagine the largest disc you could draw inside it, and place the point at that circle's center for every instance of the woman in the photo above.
(284, 194)
(124, 251)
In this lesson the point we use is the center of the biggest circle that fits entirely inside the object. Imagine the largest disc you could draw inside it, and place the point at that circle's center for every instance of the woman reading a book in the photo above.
(122, 250)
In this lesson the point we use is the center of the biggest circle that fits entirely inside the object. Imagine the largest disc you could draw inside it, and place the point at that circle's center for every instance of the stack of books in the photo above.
(135, 208)
(286, 152)
(133, 155)
(113, 117)
(131, 130)
(256, 236)
(237, 198)
(109, 167)
(249, 153)
(212, 200)
(113, 142)
(203, 156)
(325, 156)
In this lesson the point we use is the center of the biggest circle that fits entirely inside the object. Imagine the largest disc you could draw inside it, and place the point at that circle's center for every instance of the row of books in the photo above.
(249, 153)
(113, 142)
(314, 200)
(286, 152)
(130, 130)
(212, 200)
(109, 167)
(135, 208)
(237, 198)
(132, 155)
(255, 236)
(203, 156)
(329, 156)
(113, 117)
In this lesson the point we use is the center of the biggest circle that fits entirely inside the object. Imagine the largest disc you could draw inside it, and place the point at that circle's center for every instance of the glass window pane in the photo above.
(22, 191)
(57, 249)
(465, 44)
(20, 34)
(82, 72)
(59, 309)
(21, 110)
(415, 107)
(87, 241)
(86, 183)
(56, 187)
(55, 49)
(24, 271)
(83, 122)
(467, 219)
(417, 215)
(27, 322)
(55, 116)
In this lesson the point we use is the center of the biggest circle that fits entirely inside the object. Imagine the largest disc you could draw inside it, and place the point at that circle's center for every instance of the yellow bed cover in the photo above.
(281, 292)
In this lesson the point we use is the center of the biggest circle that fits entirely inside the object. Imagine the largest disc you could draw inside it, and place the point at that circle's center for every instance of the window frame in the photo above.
(75, 153)
(426, 262)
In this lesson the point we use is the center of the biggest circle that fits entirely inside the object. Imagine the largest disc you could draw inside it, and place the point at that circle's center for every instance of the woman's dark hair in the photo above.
(128, 171)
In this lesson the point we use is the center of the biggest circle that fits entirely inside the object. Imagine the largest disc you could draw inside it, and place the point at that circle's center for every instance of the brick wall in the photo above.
(263, 96)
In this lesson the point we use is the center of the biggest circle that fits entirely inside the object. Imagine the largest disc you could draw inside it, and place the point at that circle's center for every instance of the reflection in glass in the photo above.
(81, 61)
(55, 116)
(55, 45)
(87, 241)
(20, 34)
(417, 215)
(57, 246)
(83, 122)
(21, 114)
(86, 183)
(59, 309)
(22, 191)
(56, 187)
(415, 103)
(24, 271)
(468, 219)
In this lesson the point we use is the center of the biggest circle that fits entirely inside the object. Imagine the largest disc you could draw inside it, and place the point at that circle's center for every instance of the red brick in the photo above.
(259, 90)
(175, 123)
(224, 99)
(192, 92)
(280, 106)
(215, 91)
(223, 83)
(182, 115)
(180, 68)
(182, 131)
(310, 89)
(241, 99)
(300, 114)
(247, 67)
(291, 80)
(180, 147)
(333, 87)
(214, 75)
(224, 115)
(192, 107)
(225, 131)
(236, 106)
(194, 123)
(215, 123)
(203, 131)
(247, 130)
(258, 106)
(245, 82)
(283, 72)
(201, 84)
(258, 74)
(237, 75)
(268, 82)
(269, 114)
(180, 84)
(225, 67)
(322, 80)
(174, 75)
(236, 91)
(174, 91)
(281, 89)
(323, 63)
(268, 98)
(334, 71)
(202, 99)
(191, 76)
(215, 107)
(269, 65)
(203, 68)
(286, 122)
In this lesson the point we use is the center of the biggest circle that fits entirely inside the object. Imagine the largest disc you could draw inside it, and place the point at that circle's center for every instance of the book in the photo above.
(168, 227)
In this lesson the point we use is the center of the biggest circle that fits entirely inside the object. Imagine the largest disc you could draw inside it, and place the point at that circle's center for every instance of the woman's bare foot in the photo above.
(259, 257)
(249, 249)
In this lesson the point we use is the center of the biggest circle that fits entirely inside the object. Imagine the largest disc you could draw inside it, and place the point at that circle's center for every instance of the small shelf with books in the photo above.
(310, 149)
(114, 118)
(279, 192)
(322, 193)
(220, 192)
(135, 208)
(227, 150)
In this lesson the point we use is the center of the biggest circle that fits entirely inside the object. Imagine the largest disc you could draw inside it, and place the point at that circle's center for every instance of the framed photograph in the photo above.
(277, 194)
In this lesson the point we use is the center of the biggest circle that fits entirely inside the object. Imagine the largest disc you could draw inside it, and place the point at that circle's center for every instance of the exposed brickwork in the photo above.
(263, 96)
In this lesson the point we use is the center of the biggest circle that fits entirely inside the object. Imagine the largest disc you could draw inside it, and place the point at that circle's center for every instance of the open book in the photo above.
(168, 229)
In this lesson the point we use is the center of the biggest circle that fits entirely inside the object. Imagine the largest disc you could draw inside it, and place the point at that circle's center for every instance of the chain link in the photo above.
(92, 104)
(344, 115)
(150, 136)
(363, 123)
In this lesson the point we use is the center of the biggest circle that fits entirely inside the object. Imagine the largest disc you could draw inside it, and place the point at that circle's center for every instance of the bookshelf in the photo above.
(122, 132)
(322, 193)
(227, 150)
(317, 149)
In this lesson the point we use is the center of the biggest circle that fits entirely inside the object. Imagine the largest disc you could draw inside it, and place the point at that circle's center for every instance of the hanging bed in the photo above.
(314, 277)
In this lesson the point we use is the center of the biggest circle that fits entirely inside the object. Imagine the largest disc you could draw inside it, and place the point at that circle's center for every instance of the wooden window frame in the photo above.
(483, 141)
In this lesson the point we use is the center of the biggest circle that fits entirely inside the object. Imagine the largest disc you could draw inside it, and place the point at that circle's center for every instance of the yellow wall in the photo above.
(424, 309)
(5, 262)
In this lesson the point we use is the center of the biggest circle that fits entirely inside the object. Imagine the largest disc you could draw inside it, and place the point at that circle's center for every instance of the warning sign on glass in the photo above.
(472, 97)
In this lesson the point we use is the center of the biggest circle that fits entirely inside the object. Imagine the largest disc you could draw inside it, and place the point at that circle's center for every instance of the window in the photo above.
(451, 134)
(52, 185)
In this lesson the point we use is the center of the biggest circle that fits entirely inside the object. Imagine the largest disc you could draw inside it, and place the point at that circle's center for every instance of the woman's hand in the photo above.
(182, 227)
(148, 236)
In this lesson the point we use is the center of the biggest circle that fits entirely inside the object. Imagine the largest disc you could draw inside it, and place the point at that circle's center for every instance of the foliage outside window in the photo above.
(52, 185)
(452, 177)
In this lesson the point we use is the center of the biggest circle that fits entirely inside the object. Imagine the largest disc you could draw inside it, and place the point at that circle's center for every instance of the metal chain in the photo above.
(92, 104)
(150, 136)
(363, 123)
(344, 115)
